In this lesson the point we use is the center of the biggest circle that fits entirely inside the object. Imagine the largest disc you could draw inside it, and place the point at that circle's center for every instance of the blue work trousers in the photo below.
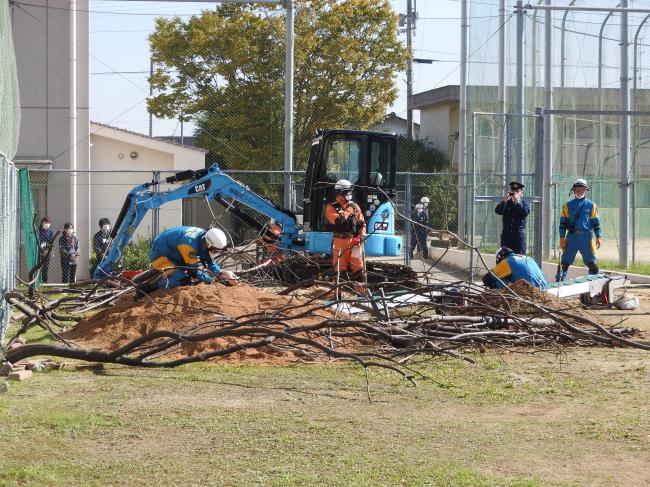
(579, 242)
(515, 241)
(177, 278)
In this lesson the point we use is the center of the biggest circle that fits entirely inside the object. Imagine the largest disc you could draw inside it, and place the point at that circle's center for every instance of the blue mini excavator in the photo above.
(368, 159)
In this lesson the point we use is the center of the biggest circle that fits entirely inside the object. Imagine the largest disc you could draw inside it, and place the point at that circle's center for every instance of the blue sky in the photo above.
(119, 56)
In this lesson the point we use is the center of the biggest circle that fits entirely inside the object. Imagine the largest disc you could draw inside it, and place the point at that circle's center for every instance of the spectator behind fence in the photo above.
(100, 242)
(69, 248)
(45, 241)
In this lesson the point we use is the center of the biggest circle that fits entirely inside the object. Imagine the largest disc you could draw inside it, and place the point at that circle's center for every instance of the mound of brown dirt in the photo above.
(525, 290)
(181, 309)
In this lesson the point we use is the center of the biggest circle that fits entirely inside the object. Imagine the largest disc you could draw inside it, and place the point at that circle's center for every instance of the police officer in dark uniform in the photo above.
(514, 210)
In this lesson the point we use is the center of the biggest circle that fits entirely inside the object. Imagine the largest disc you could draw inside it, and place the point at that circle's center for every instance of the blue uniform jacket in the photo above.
(183, 246)
(582, 215)
(514, 215)
(516, 267)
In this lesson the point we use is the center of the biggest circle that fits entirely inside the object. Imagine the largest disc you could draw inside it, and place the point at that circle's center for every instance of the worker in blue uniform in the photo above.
(514, 209)
(511, 268)
(180, 252)
(578, 221)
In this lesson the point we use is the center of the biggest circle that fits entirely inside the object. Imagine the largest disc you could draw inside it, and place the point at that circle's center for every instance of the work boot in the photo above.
(561, 276)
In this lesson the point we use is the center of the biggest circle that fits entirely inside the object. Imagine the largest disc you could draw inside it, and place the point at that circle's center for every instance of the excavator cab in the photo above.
(367, 159)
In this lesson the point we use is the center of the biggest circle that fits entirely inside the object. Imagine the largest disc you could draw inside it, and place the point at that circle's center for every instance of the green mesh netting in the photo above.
(30, 241)
(9, 98)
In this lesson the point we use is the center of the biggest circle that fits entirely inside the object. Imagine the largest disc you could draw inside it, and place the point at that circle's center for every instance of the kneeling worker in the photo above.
(180, 252)
(511, 268)
(345, 221)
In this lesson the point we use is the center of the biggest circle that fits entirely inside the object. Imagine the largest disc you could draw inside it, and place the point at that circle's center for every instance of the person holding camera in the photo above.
(578, 220)
(514, 209)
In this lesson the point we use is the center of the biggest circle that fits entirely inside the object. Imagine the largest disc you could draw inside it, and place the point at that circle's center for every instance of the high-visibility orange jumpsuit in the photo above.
(347, 224)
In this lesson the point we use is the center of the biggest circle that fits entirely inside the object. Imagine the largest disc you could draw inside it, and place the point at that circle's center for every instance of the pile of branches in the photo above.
(445, 319)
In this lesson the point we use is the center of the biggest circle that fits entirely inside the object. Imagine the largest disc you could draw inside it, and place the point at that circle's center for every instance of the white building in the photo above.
(121, 159)
(439, 110)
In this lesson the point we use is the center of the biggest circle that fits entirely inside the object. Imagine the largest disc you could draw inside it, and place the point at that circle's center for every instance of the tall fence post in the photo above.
(472, 220)
(624, 205)
(519, 100)
(407, 212)
(542, 228)
(633, 198)
(155, 213)
(288, 104)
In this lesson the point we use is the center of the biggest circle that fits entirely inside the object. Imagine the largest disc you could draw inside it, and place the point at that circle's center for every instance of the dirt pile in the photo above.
(182, 309)
(525, 290)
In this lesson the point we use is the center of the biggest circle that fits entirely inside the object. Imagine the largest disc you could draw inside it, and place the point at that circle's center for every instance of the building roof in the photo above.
(437, 96)
(177, 139)
(565, 97)
(393, 117)
(162, 140)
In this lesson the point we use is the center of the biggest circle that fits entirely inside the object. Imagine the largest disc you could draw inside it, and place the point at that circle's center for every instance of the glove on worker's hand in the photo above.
(229, 277)
(563, 244)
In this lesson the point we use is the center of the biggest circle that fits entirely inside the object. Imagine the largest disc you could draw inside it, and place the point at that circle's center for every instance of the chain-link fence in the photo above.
(8, 237)
(506, 74)
(107, 191)
(9, 125)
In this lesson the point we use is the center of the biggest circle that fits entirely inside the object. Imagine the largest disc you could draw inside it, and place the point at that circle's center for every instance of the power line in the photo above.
(119, 72)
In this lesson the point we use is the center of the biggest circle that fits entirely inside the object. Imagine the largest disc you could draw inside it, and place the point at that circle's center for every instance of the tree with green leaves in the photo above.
(224, 69)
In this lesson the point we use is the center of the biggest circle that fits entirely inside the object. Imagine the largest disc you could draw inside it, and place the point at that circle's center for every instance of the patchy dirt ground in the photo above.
(639, 318)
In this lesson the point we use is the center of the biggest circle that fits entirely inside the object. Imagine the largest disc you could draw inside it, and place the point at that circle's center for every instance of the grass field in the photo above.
(524, 420)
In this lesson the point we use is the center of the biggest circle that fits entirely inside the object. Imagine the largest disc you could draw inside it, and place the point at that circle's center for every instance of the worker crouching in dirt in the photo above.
(180, 252)
(578, 220)
(348, 227)
(512, 267)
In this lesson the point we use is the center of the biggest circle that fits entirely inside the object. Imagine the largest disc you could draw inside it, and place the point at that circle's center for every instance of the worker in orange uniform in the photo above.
(345, 221)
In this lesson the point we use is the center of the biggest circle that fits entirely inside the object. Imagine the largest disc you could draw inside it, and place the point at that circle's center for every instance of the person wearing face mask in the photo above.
(514, 210)
(101, 241)
(183, 253)
(45, 241)
(578, 220)
(345, 221)
(419, 231)
(69, 249)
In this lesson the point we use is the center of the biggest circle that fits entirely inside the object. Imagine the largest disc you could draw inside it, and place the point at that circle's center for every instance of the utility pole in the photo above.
(150, 96)
(410, 27)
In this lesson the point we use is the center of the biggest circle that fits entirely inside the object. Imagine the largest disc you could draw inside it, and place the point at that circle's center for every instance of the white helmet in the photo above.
(627, 301)
(343, 186)
(580, 183)
(215, 238)
(424, 200)
(419, 206)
